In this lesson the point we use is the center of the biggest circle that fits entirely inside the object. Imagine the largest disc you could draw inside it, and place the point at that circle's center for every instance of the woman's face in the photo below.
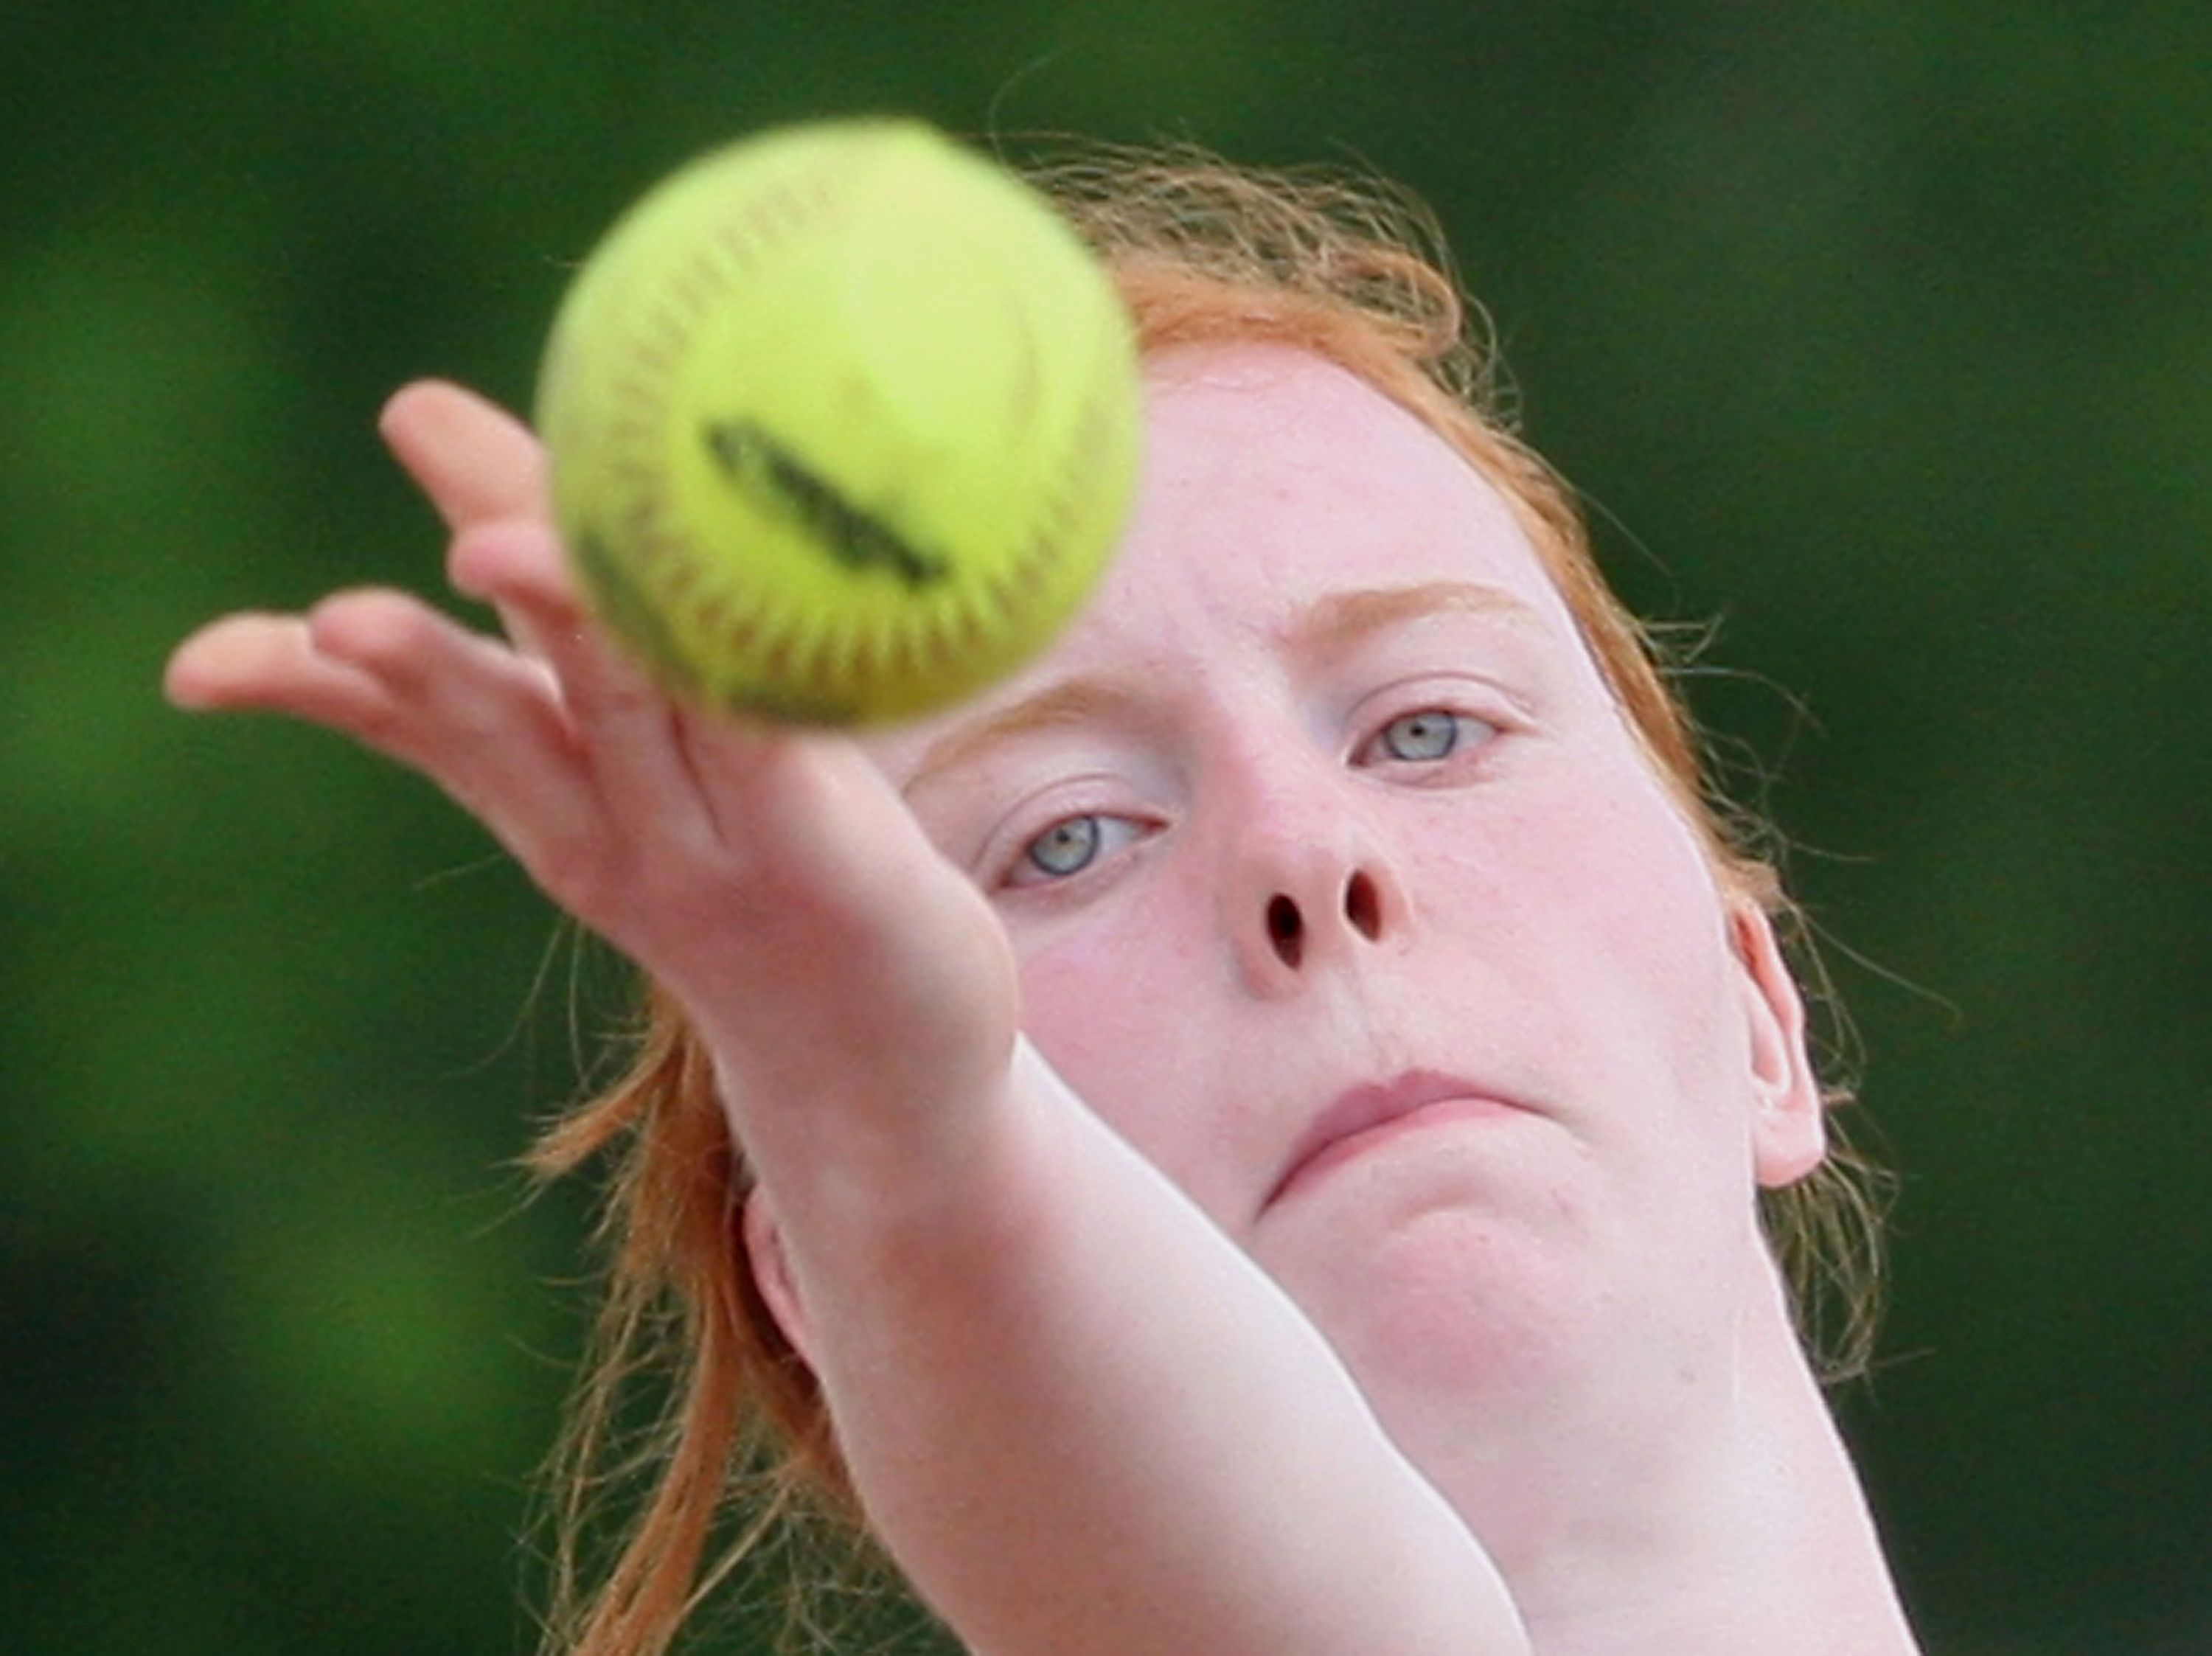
(1340, 888)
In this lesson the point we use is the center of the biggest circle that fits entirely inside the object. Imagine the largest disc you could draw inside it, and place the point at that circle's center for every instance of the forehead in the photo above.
(1275, 482)
(1272, 469)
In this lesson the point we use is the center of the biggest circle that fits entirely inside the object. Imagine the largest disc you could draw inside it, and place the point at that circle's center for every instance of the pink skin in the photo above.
(1530, 915)
(1495, 1122)
(1527, 923)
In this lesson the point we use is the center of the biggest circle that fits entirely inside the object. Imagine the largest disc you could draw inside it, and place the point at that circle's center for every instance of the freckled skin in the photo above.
(1551, 923)
(1565, 1314)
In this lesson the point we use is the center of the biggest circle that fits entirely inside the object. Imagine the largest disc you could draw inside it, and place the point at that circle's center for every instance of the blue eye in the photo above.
(1422, 737)
(1074, 844)
(1068, 846)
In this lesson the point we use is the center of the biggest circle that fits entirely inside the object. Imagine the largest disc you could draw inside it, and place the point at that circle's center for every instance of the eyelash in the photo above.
(1029, 869)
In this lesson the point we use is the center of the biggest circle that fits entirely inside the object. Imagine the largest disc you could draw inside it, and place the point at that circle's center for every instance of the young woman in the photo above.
(1248, 1139)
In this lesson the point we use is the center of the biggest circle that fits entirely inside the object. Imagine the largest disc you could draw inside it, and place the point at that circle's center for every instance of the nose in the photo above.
(1361, 908)
(1311, 892)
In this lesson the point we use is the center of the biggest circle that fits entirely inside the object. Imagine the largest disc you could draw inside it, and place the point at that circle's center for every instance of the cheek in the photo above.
(1119, 1004)
(1656, 915)
(1083, 1002)
(1671, 987)
(1612, 914)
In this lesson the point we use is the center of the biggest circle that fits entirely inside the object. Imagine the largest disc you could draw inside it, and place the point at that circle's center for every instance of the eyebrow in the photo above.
(1342, 619)
(1070, 703)
(1333, 624)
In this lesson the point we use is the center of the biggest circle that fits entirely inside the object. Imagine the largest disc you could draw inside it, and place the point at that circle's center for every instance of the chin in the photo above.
(1453, 1301)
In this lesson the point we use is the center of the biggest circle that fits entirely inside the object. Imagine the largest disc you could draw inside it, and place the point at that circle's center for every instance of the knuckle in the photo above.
(383, 633)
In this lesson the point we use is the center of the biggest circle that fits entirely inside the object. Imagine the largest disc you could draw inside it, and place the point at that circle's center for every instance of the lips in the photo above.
(1362, 1117)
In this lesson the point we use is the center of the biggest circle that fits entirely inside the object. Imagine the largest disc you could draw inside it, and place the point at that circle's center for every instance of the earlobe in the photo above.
(771, 1271)
(1789, 1136)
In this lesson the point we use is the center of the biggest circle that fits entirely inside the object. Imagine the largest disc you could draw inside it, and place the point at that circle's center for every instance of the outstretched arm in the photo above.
(1077, 1415)
(1083, 1421)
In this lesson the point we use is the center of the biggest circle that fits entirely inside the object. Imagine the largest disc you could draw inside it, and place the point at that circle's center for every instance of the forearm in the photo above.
(1083, 1421)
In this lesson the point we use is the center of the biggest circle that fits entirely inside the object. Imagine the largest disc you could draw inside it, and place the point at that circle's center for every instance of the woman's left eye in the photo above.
(1424, 737)
(1072, 845)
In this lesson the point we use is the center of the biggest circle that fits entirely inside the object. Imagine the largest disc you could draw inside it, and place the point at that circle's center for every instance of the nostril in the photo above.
(1286, 929)
(1363, 906)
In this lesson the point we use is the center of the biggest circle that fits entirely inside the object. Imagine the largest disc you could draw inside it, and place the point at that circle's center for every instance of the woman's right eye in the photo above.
(1070, 845)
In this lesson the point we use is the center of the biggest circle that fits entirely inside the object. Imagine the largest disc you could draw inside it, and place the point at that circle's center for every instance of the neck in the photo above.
(1722, 1517)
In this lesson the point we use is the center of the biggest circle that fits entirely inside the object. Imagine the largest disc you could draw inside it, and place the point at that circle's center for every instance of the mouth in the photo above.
(1361, 1118)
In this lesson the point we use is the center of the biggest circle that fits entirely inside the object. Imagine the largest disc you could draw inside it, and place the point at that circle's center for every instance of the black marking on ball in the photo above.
(771, 473)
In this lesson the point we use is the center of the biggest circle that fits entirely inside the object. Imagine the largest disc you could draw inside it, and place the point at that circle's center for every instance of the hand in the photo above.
(774, 880)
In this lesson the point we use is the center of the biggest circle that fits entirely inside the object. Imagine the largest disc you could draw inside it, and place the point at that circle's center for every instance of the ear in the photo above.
(771, 1269)
(1789, 1136)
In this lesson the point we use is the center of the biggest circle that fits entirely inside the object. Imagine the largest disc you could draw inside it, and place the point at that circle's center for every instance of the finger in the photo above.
(388, 672)
(646, 750)
(478, 465)
(475, 462)
(517, 563)
(820, 824)
(253, 662)
(517, 566)
(480, 721)
(624, 720)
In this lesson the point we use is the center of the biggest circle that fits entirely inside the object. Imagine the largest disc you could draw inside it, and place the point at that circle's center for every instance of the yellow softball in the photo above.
(843, 422)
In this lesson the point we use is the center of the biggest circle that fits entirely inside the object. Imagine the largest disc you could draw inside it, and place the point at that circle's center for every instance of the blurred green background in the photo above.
(1881, 332)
